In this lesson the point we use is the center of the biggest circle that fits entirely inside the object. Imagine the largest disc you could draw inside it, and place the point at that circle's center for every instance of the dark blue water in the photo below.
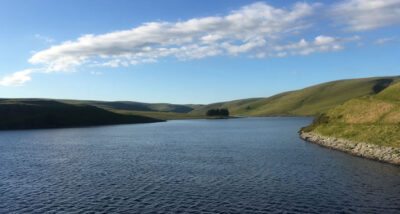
(249, 165)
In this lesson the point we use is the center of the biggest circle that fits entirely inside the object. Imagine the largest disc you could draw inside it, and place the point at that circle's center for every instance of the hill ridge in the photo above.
(309, 101)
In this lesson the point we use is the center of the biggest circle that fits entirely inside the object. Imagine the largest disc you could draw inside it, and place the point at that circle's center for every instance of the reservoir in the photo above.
(245, 165)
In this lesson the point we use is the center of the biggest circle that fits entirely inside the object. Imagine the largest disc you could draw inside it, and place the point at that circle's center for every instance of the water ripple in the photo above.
(256, 165)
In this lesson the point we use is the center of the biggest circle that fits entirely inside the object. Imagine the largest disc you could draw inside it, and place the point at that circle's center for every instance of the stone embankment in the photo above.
(370, 151)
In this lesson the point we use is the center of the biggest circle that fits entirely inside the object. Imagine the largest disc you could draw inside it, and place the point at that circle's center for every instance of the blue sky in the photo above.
(191, 51)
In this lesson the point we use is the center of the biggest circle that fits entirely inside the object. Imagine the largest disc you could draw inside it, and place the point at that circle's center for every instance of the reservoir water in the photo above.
(246, 165)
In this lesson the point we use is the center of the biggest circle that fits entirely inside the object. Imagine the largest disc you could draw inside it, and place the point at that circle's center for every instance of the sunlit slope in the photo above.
(313, 100)
(201, 110)
(392, 93)
(371, 119)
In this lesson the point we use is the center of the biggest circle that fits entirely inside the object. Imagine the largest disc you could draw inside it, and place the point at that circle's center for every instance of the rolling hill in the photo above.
(370, 119)
(34, 113)
(136, 106)
(309, 101)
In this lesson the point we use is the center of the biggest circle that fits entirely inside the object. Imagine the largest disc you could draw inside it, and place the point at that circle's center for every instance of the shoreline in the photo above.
(384, 154)
(79, 126)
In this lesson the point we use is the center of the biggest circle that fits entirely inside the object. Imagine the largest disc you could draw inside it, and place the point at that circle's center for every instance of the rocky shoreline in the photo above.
(375, 152)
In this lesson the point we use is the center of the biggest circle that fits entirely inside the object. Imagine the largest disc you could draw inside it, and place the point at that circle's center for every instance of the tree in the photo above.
(218, 112)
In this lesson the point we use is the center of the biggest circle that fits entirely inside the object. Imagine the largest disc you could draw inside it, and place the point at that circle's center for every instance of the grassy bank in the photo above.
(372, 119)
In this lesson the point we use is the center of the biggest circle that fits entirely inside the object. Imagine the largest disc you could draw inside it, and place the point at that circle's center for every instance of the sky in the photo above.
(190, 51)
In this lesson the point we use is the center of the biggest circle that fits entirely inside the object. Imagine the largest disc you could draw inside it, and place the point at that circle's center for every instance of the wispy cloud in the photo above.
(96, 73)
(17, 78)
(251, 29)
(361, 15)
(44, 38)
(385, 40)
(256, 30)
(319, 44)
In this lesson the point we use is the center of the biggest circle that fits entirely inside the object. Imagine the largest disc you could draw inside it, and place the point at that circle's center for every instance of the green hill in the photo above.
(33, 113)
(390, 94)
(309, 101)
(313, 100)
(202, 110)
(371, 119)
(137, 106)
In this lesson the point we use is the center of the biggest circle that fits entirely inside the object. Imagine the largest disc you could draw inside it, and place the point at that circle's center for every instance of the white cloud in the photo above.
(256, 30)
(44, 38)
(281, 54)
(360, 15)
(149, 60)
(96, 73)
(112, 63)
(210, 38)
(384, 40)
(324, 40)
(17, 78)
(248, 29)
(320, 44)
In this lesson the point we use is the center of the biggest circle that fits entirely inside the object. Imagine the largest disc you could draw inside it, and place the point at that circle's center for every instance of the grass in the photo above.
(34, 114)
(167, 115)
(370, 119)
(136, 106)
(379, 134)
(202, 110)
(310, 101)
(48, 113)
(392, 94)
(161, 115)
(314, 100)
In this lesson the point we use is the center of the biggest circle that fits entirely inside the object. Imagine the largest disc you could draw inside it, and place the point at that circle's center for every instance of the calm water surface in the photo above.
(249, 165)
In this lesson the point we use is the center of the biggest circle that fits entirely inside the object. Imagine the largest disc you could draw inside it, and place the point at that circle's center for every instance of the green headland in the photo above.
(371, 119)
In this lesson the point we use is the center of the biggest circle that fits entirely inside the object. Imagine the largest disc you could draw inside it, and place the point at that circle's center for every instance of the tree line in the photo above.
(218, 112)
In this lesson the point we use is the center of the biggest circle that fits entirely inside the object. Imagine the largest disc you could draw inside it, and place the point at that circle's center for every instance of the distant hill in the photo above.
(309, 101)
(371, 119)
(34, 113)
(137, 106)
(231, 105)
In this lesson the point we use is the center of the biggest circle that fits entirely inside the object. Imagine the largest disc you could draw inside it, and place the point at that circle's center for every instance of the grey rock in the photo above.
(375, 152)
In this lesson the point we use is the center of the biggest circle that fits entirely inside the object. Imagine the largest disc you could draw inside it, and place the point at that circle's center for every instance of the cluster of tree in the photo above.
(218, 112)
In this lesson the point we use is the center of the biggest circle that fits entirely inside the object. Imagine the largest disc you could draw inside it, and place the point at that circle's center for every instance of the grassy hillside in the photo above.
(313, 100)
(201, 110)
(370, 119)
(32, 114)
(137, 106)
(161, 115)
